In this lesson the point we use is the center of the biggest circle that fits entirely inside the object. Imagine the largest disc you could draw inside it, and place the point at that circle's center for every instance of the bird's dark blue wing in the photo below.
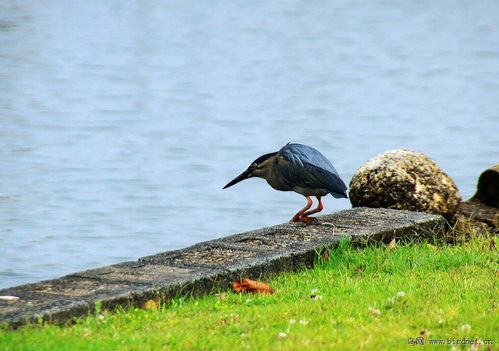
(306, 167)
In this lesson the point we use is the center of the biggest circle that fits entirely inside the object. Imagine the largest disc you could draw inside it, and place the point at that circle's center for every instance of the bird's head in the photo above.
(258, 168)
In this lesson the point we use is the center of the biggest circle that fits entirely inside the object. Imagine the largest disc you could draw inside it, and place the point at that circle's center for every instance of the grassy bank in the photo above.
(360, 299)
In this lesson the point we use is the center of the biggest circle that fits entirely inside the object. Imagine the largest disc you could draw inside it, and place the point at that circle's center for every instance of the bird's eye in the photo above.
(253, 165)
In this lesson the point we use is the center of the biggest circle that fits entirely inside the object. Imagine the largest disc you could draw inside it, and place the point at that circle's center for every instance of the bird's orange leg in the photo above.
(319, 208)
(298, 217)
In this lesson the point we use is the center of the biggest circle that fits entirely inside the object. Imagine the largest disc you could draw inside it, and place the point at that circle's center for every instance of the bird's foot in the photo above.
(303, 219)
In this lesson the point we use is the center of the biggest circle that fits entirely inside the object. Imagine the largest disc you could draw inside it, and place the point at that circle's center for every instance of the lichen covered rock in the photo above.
(405, 180)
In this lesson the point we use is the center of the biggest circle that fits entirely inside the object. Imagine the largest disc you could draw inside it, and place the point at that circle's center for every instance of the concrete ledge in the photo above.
(207, 266)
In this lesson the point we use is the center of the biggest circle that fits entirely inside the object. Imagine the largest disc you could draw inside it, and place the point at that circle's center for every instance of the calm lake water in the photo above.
(121, 121)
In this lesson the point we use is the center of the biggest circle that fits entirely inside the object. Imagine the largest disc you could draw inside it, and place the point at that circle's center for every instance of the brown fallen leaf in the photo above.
(251, 286)
(150, 305)
(325, 256)
(392, 244)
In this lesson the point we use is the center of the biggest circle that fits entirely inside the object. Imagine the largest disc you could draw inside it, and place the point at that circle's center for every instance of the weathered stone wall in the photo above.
(207, 266)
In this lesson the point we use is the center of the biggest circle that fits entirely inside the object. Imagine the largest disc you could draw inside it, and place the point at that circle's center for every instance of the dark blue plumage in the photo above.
(299, 168)
(309, 169)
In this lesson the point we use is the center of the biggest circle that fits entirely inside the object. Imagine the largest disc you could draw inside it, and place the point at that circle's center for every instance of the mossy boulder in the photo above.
(405, 180)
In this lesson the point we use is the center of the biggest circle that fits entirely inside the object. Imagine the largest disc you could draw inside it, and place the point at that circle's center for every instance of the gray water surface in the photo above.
(121, 121)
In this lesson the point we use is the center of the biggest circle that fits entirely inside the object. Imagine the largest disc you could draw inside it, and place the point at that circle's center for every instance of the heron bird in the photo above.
(299, 168)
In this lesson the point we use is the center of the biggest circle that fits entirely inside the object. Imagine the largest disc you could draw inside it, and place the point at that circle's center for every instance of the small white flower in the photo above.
(465, 327)
(392, 299)
(292, 321)
(303, 322)
(282, 335)
(401, 294)
(314, 291)
(374, 311)
(440, 321)
(317, 297)
(247, 300)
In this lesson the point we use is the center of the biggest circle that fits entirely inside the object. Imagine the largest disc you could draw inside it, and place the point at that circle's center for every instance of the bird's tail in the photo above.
(340, 195)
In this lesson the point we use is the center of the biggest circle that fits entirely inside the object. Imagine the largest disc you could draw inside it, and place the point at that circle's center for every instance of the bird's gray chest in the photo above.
(275, 181)
(274, 177)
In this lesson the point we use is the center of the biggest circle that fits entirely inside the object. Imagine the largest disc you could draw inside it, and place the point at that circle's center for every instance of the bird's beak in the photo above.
(245, 175)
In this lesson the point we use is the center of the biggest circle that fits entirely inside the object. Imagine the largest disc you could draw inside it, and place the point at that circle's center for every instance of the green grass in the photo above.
(372, 299)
